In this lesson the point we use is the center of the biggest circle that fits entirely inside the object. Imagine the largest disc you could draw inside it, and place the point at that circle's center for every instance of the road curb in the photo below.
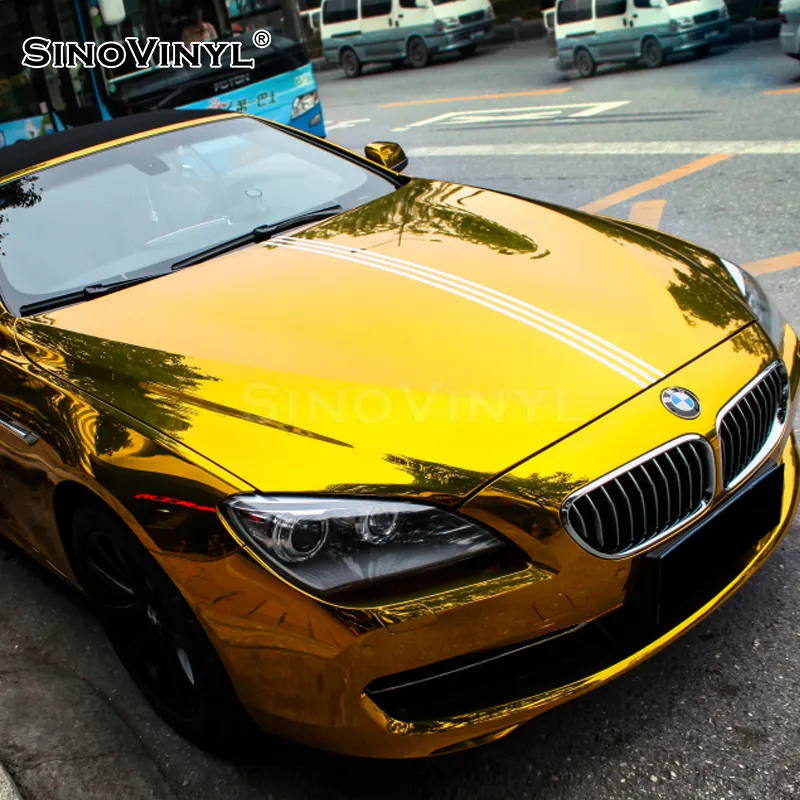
(8, 789)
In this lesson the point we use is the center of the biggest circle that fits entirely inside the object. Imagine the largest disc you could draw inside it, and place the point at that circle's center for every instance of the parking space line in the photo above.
(654, 183)
(763, 147)
(782, 91)
(476, 97)
(647, 212)
(774, 264)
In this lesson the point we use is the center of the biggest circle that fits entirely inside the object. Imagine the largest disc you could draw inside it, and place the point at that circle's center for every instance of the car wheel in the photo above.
(469, 50)
(652, 53)
(418, 53)
(585, 64)
(702, 51)
(155, 634)
(351, 64)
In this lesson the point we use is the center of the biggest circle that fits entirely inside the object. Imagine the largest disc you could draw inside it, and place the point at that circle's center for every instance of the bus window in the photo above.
(22, 112)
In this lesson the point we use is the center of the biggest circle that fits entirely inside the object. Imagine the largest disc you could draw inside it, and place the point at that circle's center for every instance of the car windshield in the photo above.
(135, 209)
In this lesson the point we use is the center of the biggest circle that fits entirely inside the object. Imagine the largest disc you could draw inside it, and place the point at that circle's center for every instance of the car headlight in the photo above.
(724, 13)
(685, 22)
(450, 22)
(347, 548)
(765, 311)
(490, 13)
(303, 103)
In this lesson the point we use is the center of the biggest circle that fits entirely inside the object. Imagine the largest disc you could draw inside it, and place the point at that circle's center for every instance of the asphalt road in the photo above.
(717, 715)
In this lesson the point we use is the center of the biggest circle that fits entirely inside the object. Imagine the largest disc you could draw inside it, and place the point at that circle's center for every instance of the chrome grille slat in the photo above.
(751, 423)
(646, 500)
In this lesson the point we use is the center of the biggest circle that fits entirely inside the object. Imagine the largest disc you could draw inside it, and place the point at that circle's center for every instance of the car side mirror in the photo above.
(387, 154)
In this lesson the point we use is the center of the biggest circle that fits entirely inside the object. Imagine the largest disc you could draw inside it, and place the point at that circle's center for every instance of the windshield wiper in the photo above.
(87, 293)
(260, 234)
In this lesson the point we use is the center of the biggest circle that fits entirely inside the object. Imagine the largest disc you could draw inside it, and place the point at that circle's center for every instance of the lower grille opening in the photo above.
(669, 584)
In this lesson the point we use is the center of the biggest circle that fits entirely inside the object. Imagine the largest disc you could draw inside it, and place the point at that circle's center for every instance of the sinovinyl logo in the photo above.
(39, 52)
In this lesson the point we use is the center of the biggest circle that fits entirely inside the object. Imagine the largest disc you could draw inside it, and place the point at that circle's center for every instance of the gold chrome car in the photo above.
(392, 465)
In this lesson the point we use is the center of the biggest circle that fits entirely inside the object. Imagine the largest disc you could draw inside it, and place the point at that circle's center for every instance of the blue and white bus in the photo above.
(33, 102)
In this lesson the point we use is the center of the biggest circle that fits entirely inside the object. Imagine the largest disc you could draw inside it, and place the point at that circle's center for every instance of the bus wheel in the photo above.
(469, 50)
(702, 51)
(350, 64)
(585, 64)
(652, 53)
(418, 53)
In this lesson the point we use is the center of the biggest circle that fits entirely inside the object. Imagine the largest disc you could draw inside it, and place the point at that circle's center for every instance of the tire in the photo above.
(585, 64)
(397, 63)
(418, 53)
(351, 64)
(469, 50)
(652, 53)
(702, 51)
(154, 632)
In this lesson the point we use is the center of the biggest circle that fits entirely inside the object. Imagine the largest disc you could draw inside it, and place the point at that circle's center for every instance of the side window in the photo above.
(641, 3)
(583, 10)
(408, 3)
(331, 11)
(349, 10)
(565, 11)
(375, 8)
(611, 8)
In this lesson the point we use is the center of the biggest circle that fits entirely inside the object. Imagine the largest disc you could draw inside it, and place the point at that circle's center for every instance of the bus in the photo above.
(36, 101)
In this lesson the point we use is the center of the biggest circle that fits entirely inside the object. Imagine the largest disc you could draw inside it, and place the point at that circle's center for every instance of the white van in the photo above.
(592, 32)
(358, 32)
(789, 11)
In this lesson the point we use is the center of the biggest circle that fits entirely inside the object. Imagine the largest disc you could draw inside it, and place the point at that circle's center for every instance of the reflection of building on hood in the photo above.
(31, 131)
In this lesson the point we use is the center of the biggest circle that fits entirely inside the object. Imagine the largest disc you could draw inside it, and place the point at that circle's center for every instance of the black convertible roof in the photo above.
(26, 154)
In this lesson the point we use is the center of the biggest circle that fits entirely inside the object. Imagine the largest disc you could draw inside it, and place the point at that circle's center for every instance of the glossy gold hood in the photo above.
(418, 345)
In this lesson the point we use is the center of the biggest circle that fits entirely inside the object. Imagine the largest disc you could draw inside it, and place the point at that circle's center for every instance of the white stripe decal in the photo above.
(569, 329)
(297, 244)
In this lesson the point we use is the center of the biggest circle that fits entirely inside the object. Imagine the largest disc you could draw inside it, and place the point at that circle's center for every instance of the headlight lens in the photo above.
(347, 548)
(685, 22)
(724, 12)
(303, 103)
(451, 22)
(762, 307)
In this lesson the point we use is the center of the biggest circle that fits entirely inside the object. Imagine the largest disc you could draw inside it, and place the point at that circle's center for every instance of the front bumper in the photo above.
(334, 678)
(700, 35)
(463, 36)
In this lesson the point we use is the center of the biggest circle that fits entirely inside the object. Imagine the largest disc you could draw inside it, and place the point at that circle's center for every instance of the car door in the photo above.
(340, 26)
(645, 17)
(377, 30)
(613, 37)
(575, 27)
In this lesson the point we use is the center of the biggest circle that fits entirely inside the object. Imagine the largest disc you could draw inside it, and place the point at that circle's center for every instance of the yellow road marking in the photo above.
(774, 264)
(655, 183)
(476, 97)
(647, 212)
(782, 91)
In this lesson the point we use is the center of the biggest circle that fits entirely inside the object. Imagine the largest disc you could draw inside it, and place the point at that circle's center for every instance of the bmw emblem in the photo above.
(681, 402)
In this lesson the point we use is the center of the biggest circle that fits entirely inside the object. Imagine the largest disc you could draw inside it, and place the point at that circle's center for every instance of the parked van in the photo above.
(358, 32)
(789, 11)
(592, 32)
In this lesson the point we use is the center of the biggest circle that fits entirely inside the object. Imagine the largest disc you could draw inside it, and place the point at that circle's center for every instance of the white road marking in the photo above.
(765, 147)
(348, 123)
(478, 116)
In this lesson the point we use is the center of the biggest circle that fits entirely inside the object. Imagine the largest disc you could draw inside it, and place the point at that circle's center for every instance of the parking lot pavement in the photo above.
(714, 716)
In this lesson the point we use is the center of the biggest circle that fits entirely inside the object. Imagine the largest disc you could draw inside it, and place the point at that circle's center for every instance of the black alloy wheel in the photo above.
(585, 64)
(154, 632)
(418, 53)
(351, 64)
(652, 53)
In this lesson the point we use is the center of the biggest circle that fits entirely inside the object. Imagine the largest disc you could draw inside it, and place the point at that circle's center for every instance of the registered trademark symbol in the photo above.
(262, 39)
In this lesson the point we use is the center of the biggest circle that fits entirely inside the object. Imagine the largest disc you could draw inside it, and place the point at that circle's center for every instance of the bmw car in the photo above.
(383, 465)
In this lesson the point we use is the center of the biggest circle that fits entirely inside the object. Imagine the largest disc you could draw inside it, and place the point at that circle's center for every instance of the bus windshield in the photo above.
(138, 89)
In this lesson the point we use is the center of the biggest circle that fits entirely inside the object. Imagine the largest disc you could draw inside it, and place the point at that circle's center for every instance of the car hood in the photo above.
(417, 345)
